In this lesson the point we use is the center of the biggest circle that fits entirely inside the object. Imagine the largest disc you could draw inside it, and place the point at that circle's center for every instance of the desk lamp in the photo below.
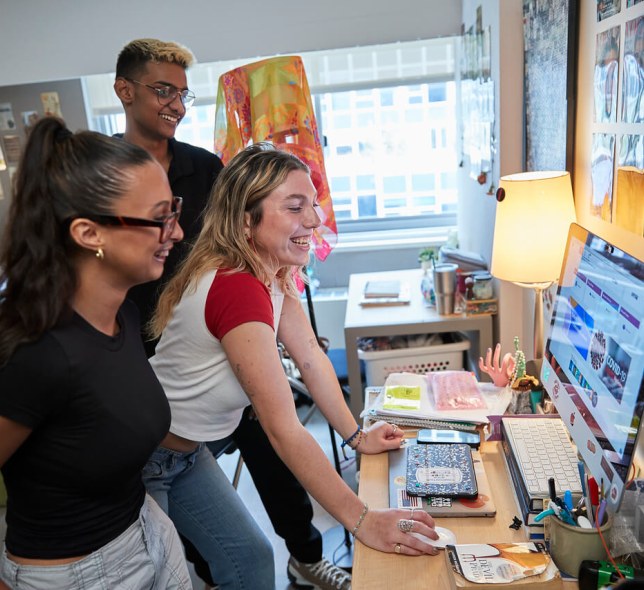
(533, 213)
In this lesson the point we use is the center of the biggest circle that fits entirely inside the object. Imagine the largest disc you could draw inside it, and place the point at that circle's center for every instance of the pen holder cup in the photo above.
(570, 545)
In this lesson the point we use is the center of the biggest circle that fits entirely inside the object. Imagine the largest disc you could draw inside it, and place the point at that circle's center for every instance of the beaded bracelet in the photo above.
(359, 523)
(346, 441)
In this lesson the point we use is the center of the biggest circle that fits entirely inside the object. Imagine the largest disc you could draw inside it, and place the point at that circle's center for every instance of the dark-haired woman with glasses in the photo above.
(80, 407)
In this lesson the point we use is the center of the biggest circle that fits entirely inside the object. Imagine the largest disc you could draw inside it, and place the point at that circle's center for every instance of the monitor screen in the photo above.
(594, 356)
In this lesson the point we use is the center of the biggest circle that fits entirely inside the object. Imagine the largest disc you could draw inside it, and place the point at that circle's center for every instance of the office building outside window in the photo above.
(387, 116)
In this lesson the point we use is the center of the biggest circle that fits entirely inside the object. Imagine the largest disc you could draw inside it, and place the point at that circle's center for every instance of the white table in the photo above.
(402, 320)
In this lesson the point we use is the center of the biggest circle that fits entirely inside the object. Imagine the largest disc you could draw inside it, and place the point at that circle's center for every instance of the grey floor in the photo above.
(322, 520)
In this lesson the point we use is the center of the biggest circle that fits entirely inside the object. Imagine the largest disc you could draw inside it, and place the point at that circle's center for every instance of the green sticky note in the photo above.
(402, 397)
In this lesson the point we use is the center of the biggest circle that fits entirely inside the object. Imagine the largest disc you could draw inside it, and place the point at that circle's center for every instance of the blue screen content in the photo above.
(594, 357)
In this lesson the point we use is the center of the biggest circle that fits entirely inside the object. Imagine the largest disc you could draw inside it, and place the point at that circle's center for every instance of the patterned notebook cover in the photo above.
(482, 505)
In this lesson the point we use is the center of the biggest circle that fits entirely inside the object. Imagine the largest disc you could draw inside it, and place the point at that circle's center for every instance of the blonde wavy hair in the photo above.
(240, 188)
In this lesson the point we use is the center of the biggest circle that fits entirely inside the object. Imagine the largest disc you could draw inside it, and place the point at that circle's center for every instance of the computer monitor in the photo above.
(594, 356)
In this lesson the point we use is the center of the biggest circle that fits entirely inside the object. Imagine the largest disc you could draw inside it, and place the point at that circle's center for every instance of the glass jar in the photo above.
(482, 288)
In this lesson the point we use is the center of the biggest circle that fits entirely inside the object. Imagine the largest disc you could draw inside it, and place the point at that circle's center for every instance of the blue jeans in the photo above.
(196, 494)
(148, 555)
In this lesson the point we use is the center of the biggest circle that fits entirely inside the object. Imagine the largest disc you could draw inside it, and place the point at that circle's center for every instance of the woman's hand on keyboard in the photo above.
(384, 530)
(380, 436)
(500, 372)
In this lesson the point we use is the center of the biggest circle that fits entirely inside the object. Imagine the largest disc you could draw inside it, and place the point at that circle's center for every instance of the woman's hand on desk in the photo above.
(380, 436)
(389, 531)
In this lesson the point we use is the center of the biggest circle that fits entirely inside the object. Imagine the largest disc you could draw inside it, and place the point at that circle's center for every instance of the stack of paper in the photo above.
(409, 395)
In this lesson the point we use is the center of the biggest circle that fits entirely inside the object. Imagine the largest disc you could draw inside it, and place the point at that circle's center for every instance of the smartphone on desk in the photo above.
(439, 436)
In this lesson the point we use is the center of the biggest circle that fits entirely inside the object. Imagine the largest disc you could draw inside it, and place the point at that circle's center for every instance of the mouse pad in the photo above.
(482, 505)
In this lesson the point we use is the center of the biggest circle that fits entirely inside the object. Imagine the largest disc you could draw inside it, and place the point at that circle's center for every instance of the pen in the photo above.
(589, 506)
(600, 512)
(582, 476)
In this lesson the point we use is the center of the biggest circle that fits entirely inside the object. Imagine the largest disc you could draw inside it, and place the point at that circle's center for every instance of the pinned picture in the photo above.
(51, 104)
(29, 119)
(602, 175)
(605, 78)
(7, 122)
(607, 8)
(633, 73)
(12, 148)
(629, 184)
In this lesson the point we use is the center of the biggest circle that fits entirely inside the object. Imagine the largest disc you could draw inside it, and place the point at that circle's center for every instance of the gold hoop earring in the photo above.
(100, 254)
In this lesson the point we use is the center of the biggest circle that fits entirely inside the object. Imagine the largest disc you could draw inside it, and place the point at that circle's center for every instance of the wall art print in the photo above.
(550, 63)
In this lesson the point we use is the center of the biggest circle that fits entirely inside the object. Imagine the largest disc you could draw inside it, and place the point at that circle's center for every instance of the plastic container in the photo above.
(424, 359)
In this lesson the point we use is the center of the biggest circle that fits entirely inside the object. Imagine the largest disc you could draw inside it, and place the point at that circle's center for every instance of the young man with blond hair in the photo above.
(151, 83)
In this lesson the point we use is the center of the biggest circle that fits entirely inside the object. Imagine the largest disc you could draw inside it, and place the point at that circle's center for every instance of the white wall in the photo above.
(41, 40)
(477, 209)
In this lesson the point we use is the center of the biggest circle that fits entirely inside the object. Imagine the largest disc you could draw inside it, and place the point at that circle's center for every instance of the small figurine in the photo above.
(499, 372)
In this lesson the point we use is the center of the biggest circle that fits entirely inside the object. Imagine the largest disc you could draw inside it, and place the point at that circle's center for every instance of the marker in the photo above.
(593, 494)
(568, 500)
(551, 489)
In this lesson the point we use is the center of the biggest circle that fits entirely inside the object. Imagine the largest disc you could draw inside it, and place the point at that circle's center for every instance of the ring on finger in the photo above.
(397, 548)
(405, 525)
(394, 428)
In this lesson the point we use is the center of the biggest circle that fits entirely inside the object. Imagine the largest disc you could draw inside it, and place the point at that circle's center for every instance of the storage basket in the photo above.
(424, 359)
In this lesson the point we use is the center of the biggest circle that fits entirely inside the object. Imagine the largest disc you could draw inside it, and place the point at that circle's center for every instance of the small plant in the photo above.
(428, 254)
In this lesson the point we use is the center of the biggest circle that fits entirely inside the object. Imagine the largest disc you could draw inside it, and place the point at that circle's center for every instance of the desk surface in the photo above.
(402, 320)
(374, 570)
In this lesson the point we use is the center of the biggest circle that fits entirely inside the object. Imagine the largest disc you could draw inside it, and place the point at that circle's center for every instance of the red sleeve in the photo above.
(235, 299)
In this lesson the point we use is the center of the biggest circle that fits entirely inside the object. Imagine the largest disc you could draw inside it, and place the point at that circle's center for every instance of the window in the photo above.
(396, 166)
(387, 115)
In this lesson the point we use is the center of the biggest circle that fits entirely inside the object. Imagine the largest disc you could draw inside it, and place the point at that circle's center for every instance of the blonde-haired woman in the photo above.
(219, 318)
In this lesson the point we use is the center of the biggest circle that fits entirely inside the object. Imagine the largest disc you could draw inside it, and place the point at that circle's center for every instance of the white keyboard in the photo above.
(543, 450)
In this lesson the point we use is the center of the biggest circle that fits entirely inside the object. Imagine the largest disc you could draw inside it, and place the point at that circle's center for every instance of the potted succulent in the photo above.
(427, 256)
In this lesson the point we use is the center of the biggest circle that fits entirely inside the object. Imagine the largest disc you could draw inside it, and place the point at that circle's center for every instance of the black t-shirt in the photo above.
(192, 172)
(97, 412)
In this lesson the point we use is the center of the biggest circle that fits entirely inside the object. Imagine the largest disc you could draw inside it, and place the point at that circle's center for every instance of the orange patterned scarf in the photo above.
(269, 100)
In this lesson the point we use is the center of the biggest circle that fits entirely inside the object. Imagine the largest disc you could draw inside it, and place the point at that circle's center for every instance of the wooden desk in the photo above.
(402, 320)
(373, 570)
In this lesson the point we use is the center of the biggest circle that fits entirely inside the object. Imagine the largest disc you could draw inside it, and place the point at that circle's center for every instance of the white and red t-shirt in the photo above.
(206, 399)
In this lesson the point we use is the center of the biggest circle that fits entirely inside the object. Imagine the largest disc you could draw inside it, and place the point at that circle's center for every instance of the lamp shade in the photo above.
(533, 214)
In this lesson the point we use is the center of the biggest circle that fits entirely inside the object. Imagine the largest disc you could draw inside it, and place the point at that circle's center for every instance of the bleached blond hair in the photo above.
(137, 54)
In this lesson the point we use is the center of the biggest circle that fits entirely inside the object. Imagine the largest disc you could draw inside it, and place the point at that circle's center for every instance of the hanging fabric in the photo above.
(269, 100)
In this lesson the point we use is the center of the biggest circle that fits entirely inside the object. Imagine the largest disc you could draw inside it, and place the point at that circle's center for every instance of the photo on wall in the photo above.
(549, 36)
(633, 72)
(629, 184)
(603, 155)
(607, 8)
(605, 78)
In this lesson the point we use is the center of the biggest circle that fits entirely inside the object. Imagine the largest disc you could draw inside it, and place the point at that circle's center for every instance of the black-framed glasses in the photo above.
(166, 224)
(166, 94)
